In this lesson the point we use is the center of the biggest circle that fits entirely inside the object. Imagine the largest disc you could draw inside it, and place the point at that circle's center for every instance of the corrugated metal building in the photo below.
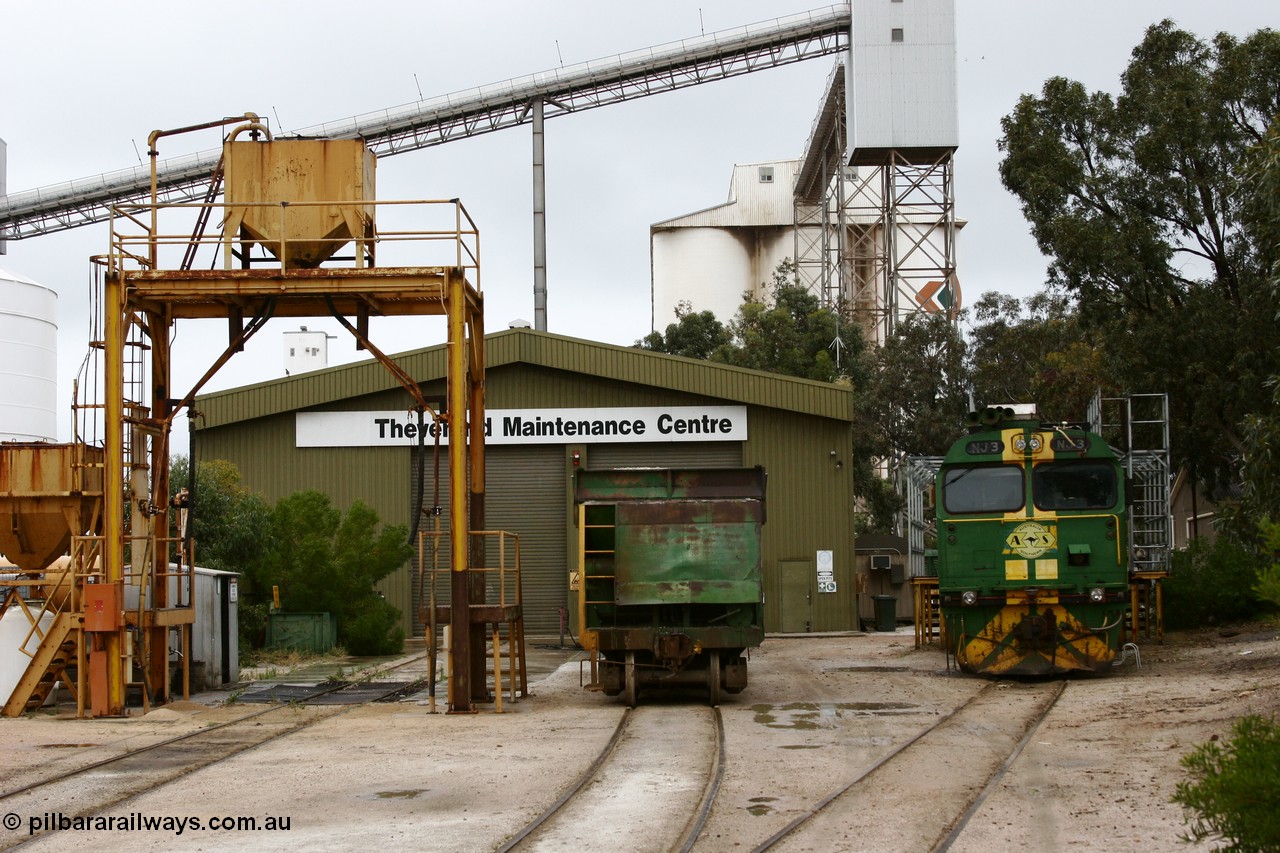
(342, 431)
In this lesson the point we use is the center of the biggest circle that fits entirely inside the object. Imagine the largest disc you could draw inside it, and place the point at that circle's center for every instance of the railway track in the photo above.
(93, 788)
(977, 741)
(651, 788)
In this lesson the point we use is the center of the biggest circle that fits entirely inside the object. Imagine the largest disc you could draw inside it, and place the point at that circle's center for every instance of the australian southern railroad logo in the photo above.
(1031, 539)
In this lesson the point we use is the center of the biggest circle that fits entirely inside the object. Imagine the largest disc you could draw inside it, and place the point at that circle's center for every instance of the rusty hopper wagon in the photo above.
(671, 590)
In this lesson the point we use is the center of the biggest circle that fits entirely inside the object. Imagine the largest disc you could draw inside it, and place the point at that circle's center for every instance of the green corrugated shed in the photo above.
(799, 430)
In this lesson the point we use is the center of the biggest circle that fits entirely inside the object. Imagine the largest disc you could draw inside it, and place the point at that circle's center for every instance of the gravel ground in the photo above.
(1098, 774)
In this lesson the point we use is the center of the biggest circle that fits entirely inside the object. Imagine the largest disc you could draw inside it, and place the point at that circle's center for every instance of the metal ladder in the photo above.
(1137, 425)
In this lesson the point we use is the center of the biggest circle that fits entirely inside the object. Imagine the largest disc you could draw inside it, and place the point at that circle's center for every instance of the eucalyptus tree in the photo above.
(1140, 200)
(695, 334)
(1035, 350)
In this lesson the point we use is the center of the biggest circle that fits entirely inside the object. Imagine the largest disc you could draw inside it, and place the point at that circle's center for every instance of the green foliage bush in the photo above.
(322, 560)
(1233, 793)
(325, 561)
(1210, 584)
(1268, 586)
(252, 621)
(372, 627)
(230, 521)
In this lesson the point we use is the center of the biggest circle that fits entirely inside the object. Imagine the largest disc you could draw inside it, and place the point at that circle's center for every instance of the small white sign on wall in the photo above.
(826, 571)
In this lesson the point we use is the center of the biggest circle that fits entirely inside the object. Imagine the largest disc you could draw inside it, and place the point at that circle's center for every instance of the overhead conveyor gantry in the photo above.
(574, 88)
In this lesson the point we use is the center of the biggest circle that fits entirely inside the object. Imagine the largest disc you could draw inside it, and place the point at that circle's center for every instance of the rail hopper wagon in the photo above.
(671, 588)
(1033, 568)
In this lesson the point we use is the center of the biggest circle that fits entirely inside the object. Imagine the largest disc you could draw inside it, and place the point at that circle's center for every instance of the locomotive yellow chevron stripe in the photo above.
(997, 648)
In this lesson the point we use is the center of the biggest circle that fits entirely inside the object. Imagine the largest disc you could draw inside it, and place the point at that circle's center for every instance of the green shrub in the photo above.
(372, 628)
(1234, 790)
(1210, 584)
(1267, 587)
(252, 619)
(327, 561)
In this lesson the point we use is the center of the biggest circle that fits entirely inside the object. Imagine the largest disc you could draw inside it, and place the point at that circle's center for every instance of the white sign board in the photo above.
(826, 571)
(530, 426)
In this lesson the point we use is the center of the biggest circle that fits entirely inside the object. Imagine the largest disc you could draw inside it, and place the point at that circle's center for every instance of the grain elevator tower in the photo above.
(902, 136)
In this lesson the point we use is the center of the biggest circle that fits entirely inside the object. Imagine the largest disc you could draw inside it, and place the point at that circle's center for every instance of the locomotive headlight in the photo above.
(969, 598)
(1096, 595)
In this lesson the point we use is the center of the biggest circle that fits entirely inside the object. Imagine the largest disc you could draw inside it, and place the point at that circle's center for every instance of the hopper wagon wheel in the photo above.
(713, 677)
(629, 689)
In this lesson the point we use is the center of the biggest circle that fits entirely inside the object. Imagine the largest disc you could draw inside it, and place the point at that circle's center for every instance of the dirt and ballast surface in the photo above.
(1098, 774)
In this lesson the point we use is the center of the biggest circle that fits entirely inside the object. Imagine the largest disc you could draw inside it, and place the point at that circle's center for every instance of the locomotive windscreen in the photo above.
(985, 488)
(1074, 485)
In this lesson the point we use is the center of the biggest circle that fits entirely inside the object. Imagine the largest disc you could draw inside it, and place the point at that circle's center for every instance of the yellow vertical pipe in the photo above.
(113, 487)
(456, 418)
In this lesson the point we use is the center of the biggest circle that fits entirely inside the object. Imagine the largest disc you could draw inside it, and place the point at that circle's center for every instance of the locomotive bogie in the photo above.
(728, 664)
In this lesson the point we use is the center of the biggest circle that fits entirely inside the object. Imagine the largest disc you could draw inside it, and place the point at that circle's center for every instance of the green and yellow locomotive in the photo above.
(1033, 567)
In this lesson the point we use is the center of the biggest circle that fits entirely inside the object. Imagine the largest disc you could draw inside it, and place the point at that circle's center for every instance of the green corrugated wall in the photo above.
(793, 427)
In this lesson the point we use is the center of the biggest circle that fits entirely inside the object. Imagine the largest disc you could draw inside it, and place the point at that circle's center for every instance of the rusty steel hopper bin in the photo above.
(47, 493)
(308, 191)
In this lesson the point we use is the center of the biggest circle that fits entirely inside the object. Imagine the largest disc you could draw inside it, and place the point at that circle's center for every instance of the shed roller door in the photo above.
(525, 495)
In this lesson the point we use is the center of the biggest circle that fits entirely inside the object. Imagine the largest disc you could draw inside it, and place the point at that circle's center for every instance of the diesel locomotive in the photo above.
(670, 590)
(1033, 563)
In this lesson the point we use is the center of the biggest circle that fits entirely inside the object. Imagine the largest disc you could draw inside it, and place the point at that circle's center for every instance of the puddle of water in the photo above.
(763, 715)
(801, 746)
(399, 795)
(807, 715)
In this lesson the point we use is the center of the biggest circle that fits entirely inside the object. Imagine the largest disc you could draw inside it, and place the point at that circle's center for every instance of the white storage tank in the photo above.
(28, 360)
(708, 267)
(711, 257)
(18, 642)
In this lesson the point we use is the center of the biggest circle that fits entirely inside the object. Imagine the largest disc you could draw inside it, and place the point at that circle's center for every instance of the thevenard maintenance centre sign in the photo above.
(530, 426)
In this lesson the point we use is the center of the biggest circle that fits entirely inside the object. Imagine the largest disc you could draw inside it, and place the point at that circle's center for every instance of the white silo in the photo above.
(28, 360)
(712, 257)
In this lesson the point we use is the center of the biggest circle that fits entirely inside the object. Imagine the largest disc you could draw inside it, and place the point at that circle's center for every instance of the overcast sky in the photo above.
(87, 81)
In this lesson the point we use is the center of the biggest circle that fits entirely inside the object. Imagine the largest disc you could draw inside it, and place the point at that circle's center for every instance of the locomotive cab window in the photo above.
(986, 488)
(1074, 485)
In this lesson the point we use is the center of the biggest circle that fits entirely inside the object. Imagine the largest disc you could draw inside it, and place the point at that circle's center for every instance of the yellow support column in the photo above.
(460, 553)
(109, 658)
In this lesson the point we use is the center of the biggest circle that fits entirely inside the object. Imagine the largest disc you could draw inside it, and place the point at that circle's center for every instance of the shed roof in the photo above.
(526, 346)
